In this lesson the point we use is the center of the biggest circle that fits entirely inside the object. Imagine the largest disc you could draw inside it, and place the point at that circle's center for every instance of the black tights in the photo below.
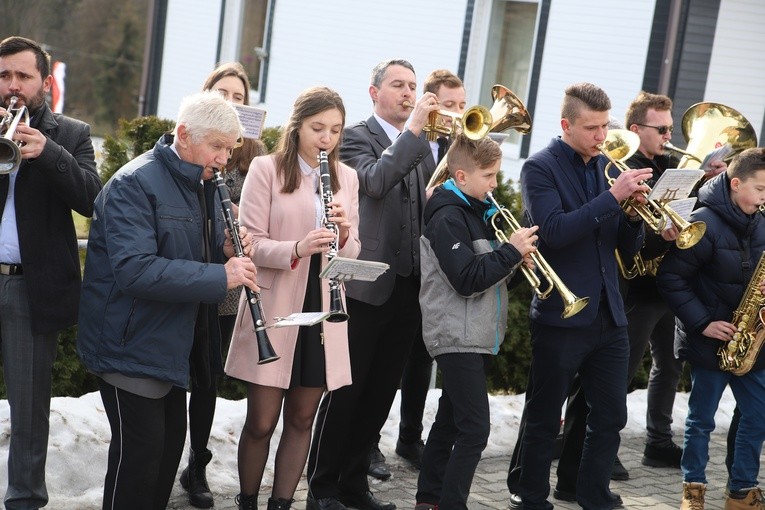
(264, 405)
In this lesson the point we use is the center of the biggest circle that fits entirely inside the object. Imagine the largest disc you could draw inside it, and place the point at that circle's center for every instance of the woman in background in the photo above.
(281, 206)
(231, 81)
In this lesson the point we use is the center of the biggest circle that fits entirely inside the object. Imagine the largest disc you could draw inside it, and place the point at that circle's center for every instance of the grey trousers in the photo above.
(650, 321)
(27, 363)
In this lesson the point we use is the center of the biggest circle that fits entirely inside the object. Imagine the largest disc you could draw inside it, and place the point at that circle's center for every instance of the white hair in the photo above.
(206, 112)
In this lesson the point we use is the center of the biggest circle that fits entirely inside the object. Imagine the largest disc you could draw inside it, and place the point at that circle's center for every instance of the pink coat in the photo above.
(277, 221)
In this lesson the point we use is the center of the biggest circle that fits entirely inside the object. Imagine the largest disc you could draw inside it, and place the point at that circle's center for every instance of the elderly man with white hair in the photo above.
(158, 263)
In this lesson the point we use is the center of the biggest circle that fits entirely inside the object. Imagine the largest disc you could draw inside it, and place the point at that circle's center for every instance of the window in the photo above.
(509, 50)
(251, 41)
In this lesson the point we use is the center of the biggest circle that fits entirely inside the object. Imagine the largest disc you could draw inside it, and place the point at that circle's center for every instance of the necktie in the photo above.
(443, 145)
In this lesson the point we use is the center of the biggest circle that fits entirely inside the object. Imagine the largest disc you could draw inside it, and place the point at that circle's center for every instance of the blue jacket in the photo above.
(705, 283)
(577, 237)
(144, 272)
(463, 295)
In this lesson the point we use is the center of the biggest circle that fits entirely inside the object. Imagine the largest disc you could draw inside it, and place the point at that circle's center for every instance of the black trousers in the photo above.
(415, 383)
(349, 418)
(459, 433)
(145, 449)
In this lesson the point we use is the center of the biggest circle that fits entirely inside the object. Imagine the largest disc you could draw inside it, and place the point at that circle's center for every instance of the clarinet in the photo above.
(266, 353)
(336, 311)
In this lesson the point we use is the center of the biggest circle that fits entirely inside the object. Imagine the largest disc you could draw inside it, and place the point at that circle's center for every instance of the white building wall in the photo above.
(736, 73)
(313, 44)
(191, 43)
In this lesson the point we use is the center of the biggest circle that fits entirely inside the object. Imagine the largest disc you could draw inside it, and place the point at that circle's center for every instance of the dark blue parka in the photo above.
(144, 273)
(705, 283)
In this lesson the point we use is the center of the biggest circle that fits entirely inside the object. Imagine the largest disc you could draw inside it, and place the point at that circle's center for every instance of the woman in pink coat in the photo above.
(281, 206)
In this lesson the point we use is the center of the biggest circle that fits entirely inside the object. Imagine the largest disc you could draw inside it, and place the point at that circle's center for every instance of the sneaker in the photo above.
(746, 499)
(619, 472)
(662, 456)
(693, 496)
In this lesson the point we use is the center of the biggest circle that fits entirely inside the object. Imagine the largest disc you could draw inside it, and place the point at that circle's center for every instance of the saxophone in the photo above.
(739, 355)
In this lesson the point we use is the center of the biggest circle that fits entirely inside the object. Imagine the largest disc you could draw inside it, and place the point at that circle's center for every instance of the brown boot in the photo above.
(747, 499)
(693, 496)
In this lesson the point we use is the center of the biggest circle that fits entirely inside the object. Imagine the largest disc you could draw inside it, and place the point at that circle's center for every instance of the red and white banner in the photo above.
(57, 90)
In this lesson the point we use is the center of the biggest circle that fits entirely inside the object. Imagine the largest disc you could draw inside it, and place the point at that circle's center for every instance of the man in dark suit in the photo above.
(581, 223)
(415, 380)
(394, 164)
(39, 261)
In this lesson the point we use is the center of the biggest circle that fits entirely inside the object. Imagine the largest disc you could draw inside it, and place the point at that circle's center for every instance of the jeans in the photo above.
(706, 390)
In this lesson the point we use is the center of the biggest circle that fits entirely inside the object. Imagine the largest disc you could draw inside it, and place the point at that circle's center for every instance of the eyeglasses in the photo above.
(661, 129)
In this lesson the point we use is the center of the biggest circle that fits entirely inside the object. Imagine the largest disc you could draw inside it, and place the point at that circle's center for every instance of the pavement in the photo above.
(655, 488)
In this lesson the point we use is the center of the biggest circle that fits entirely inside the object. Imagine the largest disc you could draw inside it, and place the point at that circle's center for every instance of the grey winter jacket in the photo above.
(464, 276)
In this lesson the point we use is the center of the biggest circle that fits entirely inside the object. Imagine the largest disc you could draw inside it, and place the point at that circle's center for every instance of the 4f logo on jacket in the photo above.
(456, 246)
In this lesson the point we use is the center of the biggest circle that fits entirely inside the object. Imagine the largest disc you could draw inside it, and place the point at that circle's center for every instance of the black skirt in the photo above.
(308, 365)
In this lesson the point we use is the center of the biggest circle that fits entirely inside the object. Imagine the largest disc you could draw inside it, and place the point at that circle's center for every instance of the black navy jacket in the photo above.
(577, 237)
(705, 283)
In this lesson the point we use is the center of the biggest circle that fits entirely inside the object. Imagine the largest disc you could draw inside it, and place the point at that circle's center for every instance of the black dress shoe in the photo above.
(616, 501)
(377, 467)
(365, 501)
(662, 456)
(619, 472)
(564, 495)
(411, 451)
(323, 504)
(516, 503)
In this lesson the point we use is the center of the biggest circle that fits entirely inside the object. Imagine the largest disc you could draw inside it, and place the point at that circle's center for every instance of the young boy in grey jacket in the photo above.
(464, 276)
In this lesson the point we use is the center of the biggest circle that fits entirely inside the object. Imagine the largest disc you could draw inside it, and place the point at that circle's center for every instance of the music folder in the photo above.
(300, 319)
(345, 269)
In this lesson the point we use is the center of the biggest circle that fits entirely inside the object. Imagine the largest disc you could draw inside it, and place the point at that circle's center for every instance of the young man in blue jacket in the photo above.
(703, 286)
(154, 261)
(464, 275)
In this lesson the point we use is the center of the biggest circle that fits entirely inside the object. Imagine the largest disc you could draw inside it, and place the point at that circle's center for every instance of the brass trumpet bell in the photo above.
(508, 111)
(707, 126)
(474, 123)
(10, 151)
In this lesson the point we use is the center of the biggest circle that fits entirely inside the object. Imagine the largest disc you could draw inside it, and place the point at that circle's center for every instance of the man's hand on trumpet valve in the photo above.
(426, 104)
(524, 240)
(631, 183)
(32, 141)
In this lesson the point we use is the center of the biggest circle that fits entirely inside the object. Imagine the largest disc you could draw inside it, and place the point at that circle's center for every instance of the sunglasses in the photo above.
(661, 129)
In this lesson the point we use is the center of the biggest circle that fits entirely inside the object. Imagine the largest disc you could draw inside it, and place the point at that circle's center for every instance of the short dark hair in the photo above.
(378, 73)
(747, 163)
(16, 44)
(582, 96)
(645, 101)
(441, 77)
(470, 155)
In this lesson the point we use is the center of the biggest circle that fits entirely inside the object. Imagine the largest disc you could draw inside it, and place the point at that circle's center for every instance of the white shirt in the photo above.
(9, 234)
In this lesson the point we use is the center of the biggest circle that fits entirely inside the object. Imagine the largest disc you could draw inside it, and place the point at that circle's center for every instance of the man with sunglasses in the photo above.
(649, 319)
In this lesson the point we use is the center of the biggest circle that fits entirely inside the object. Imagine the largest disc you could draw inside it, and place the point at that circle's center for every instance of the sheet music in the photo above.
(675, 184)
(718, 154)
(345, 269)
(300, 319)
(252, 119)
(683, 207)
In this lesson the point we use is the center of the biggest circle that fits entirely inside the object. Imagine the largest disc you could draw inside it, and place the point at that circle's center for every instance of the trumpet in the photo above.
(619, 145)
(475, 123)
(10, 151)
(571, 304)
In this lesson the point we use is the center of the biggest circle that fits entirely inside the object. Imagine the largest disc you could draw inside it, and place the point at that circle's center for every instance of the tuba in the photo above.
(507, 112)
(10, 152)
(571, 304)
(707, 126)
(618, 146)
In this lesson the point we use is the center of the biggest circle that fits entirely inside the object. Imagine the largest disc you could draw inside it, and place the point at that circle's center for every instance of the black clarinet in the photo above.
(336, 310)
(266, 353)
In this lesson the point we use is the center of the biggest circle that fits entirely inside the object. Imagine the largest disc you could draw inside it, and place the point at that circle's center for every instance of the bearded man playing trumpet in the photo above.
(581, 224)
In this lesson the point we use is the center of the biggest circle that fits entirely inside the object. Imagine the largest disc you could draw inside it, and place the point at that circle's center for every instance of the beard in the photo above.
(32, 103)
